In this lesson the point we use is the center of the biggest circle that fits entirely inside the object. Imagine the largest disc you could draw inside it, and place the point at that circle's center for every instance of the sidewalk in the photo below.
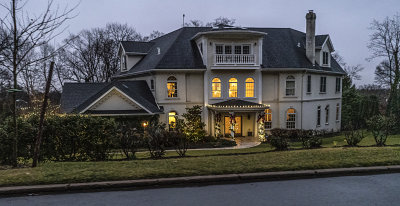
(194, 180)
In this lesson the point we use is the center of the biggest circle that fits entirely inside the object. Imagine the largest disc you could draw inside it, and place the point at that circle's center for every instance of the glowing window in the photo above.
(290, 86)
(268, 119)
(172, 120)
(216, 88)
(172, 87)
(233, 87)
(291, 118)
(249, 87)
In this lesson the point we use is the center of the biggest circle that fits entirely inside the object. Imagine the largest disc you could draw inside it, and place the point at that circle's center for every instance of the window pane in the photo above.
(238, 49)
(249, 87)
(172, 89)
(232, 87)
(228, 49)
(309, 83)
(246, 49)
(216, 87)
(218, 49)
(172, 120)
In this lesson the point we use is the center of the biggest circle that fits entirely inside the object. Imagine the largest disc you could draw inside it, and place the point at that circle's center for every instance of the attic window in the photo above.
(325, 58)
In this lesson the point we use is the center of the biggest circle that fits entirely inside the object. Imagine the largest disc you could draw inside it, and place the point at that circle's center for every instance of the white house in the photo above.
(237, 74)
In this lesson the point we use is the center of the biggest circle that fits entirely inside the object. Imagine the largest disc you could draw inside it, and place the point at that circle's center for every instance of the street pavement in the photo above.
(381, 189)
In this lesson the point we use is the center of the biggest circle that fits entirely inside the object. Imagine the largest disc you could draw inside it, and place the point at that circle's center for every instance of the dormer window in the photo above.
(123, 63)
(325, 58)
(234, 54)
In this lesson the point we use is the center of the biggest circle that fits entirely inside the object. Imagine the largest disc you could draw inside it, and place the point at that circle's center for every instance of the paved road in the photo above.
(352, 190)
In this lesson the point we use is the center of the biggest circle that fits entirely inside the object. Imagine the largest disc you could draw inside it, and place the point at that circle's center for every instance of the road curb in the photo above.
(195, 180)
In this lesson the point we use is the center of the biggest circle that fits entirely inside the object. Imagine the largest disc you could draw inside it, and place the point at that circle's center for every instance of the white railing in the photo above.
(234, 59)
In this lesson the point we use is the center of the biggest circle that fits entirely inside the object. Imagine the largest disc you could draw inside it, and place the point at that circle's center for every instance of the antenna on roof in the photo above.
(183, 20)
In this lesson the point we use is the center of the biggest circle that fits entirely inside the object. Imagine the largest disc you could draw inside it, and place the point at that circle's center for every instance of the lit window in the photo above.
(337, 112)
(322, 85)
(233, 87)
(291, 118)
(172, 87)
(216, 88)
(268, 119)
(172, 120)
(319, 116)
(327, 114)
(290, 86)
(249, 87)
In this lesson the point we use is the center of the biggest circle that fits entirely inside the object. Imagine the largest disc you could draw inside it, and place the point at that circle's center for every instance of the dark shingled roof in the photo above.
(137, 90)
(236, 102)
(137, 47)
(178, 51)
(320, 39)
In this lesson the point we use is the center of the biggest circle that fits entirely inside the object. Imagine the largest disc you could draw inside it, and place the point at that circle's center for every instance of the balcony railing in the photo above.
(234, 59)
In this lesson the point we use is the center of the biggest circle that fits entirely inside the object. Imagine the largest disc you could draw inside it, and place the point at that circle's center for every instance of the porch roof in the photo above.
(238, 105)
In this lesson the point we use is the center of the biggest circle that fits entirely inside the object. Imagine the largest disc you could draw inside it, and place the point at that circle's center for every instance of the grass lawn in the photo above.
(258, 159)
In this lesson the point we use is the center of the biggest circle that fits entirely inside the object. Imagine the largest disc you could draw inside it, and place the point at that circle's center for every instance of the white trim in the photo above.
(112, 88)
(238, 31)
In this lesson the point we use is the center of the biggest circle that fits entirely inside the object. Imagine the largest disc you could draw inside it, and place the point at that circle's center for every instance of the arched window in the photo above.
(172, 117)
(172, 87)
(290, 86)
(216, 88)
(327, 114)
(268, 119)
(233, 85)
(291, 118)
(337, 111)
(249, 87)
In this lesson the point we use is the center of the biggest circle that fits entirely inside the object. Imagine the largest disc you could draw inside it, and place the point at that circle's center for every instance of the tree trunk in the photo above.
(15, 87)
(38, 142)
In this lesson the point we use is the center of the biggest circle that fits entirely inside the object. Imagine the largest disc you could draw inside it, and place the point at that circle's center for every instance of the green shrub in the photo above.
(279, 142)
(380, 127)
(194, 127)
(129, 140)
(156, 138)
(309, 139)
(353, 137)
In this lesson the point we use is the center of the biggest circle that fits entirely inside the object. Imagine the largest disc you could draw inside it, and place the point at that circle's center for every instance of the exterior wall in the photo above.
(132, 60)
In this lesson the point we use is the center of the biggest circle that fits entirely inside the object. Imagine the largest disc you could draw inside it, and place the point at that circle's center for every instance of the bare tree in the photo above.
(28, 32)
(153, 35)
(384, 74)
(222, 21)
(354, 71)
(385, 43)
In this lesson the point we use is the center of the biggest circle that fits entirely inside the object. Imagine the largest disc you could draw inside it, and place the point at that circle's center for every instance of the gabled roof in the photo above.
(138, 91)
(282, 48)
(320, 39)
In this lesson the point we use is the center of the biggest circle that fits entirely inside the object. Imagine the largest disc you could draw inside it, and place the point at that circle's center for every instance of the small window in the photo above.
(218, 49)
(319, 116)
(172, 118)
(216, 88)
(291, 119)
(249, 87)
(337, 111)
(268, 119)
(233, 87)
(325, 58)
(172, 87)
(309, 84)
(152, 84)
(338, 84)
(290, 86)
(327, 114)
(322, 86)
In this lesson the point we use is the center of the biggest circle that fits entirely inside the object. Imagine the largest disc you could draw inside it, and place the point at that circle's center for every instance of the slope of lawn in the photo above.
(258, 159)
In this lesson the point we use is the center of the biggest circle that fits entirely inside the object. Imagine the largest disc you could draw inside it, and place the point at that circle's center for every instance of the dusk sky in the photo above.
(345, 21)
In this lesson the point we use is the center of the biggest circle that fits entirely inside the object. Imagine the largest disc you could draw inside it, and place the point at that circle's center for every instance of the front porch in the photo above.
(235, 118)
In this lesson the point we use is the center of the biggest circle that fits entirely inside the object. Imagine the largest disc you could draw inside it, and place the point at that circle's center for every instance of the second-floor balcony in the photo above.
(234, 59)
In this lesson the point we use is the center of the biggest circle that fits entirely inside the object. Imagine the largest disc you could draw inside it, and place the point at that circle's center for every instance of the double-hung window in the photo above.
(322, 85)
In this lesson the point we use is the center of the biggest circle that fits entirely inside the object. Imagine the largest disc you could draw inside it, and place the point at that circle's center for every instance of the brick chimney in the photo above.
(310, 35)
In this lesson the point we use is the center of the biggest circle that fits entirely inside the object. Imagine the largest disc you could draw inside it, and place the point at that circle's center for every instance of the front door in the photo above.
(238, 126)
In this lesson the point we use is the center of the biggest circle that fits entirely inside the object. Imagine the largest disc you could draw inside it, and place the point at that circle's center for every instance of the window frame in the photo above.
(268, 118)
(229, 87)
(309, 84)
(322, 85)
(246, 82)
(152, 85)
(337, 112)
(318, 116)
(212, 87)
(338, 87)
(327, 114)
(290, 78)
(291, 124)
(171, 128)
(233, 49)
(325, 58)
(172, 80)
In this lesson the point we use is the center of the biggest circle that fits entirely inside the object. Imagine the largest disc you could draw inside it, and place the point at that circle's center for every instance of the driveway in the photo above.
(349, 190)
